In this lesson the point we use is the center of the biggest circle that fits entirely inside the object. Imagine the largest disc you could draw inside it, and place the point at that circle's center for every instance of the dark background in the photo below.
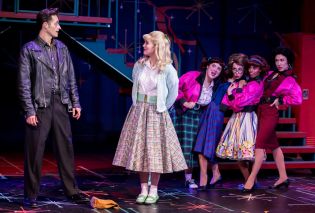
(248, 26)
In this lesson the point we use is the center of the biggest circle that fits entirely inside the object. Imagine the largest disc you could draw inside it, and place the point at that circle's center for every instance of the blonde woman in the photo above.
(148, 142)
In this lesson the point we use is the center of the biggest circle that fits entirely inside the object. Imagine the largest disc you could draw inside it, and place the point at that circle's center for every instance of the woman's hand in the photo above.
(189, 105)
(275, 103)
(230, 88)
(242, 83)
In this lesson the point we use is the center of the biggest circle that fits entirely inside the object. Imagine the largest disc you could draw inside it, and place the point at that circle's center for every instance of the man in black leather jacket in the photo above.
(48, 91)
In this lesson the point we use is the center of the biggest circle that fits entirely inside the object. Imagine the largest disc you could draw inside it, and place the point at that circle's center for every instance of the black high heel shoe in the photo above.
(285, 184)
(219, 181)
(244, 190)
(202, 188)
(255, 186)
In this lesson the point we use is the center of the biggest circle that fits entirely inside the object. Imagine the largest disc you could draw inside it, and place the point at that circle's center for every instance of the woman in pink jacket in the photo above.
(238, 139)
(280, 87)
(194, 94)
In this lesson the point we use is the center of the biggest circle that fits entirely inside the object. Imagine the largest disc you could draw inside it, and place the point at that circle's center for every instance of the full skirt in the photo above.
(148, 142)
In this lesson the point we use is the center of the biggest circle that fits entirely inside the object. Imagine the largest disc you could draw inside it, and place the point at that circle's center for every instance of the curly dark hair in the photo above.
(206, 63)
(286, 52)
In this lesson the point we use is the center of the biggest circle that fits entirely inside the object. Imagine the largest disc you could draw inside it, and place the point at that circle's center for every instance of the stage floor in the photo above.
(96, 177)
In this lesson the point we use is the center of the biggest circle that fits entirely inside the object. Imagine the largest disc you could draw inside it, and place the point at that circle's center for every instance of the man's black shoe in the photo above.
(78, 198)
(30, 202)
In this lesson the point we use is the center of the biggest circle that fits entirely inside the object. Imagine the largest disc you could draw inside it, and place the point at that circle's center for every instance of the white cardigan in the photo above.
(167, 86)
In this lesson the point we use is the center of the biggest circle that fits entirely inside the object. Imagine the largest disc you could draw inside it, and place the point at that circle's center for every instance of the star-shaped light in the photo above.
(199, 7)
(255, 10)
(250, 197)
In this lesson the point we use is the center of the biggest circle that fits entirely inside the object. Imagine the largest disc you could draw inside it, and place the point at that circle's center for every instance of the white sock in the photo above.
(144, 188)
(188, 176)
(153, 190)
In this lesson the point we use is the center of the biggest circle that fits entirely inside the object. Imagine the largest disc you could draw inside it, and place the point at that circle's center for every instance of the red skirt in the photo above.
(267, 122)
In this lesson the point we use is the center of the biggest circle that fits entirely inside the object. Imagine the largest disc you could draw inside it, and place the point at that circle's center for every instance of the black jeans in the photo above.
(54, 118)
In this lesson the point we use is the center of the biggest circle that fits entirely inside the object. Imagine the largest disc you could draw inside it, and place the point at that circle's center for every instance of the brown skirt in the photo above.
(148, 142)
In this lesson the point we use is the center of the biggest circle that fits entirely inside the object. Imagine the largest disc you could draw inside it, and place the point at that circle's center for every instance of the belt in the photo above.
(250, 108)
(267, 100)
(199, 107)
(146, 98)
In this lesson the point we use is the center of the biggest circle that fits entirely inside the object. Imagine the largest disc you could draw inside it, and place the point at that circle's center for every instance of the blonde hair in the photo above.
(162, 48)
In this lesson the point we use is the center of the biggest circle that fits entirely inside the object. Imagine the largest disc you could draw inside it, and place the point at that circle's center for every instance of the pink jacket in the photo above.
(289, 90)
(249, 95)
(189, 88)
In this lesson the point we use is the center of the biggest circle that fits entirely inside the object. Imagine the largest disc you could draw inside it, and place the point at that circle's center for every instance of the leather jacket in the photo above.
(35, 78)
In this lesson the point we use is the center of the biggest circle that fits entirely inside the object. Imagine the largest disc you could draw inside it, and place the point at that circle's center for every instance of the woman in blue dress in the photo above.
(211, 126)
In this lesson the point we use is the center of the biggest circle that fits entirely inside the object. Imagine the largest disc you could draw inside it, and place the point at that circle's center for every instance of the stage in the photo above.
(96, 177)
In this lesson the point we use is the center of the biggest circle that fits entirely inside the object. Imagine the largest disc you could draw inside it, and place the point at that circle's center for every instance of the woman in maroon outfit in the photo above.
(280, 87)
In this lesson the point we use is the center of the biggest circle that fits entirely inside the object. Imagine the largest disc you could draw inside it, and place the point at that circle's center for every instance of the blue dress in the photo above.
(211, 125)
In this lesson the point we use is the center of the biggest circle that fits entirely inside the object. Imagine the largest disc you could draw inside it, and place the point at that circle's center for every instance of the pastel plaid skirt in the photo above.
(148, 142)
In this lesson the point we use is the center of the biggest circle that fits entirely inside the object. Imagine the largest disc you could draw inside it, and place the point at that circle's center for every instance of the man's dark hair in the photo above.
(45, 16)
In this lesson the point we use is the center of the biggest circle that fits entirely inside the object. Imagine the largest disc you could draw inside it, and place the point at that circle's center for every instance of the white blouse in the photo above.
(206, 94)
(148, 80)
